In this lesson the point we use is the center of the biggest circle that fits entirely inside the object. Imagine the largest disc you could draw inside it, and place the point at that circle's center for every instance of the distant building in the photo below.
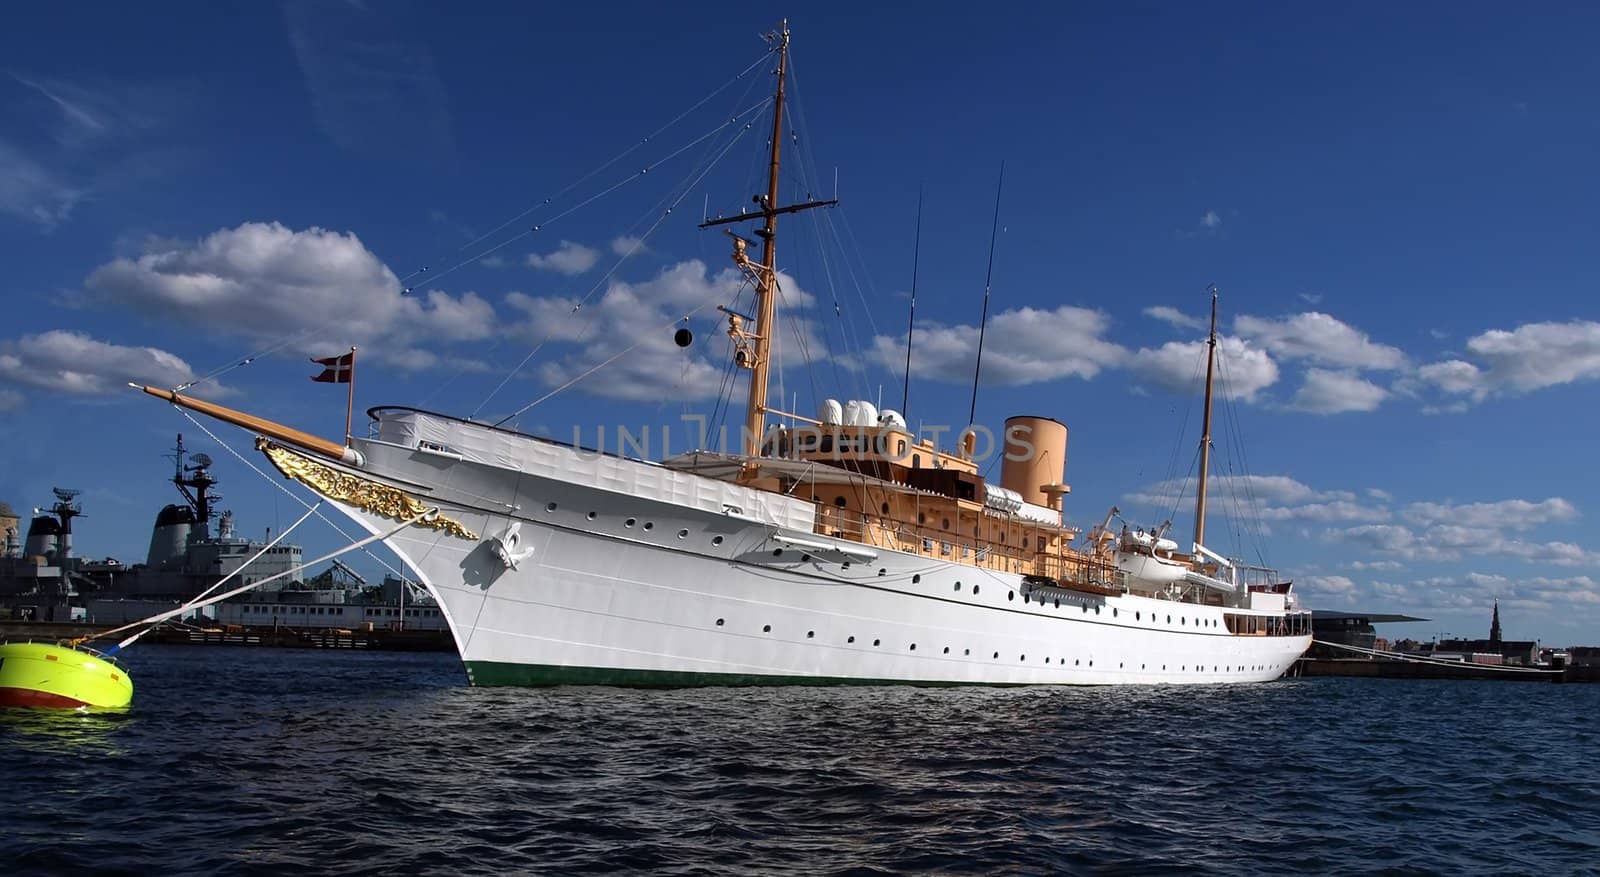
(1494, 650)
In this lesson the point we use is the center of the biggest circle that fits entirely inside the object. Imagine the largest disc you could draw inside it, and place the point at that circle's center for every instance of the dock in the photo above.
(280, 636)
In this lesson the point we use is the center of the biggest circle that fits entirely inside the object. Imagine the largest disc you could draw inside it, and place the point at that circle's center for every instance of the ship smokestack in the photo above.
(1035, 462)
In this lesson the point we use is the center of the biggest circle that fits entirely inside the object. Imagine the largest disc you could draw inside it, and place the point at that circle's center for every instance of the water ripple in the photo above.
(352, 764)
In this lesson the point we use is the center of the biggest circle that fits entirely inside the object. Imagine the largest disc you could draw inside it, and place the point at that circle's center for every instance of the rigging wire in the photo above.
(983, 323)
(911, 323)
(602, 166)
(598, 284)
(633, 177)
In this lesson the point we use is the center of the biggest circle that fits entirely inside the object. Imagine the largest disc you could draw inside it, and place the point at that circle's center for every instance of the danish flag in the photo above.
(338, 369)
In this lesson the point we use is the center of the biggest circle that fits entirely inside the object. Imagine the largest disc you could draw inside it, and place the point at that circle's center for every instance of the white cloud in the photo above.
(1331, 392)
(568, 258)
(627, 245)
(1022, 346)
(1445, 542)
(493, 260)
(1311, 298)
(1279, 489)
(1530, 357)
(1174, 316)
(1509, 514)
(1210, 219)
(1476, 590)
(1380, 494)
(30, 192)
(264, 281)
(1338, 510)
(1321, 339)
(1361, 565)
(1328, 586)
(60, 361)
(1179, 367)
(374, 88)
(642, 312)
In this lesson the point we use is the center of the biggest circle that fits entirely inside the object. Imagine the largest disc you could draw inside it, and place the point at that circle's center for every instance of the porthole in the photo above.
(1076, 662)
(916, 578)
(811, 634)
(1182, 621)
(974, 589)
(997, 655)
(1085, 608)
(629, 522)
(777, 552)
(805, 558)
(958, 586)
(766, 628)
(1138, 616)
(882, 572)
(1169, 619)
(593, 515)
(1011, 595)
(683, 534)
(719, 622)
(716, 540)
(1047, 660)
(649, 525)
(851, 640)
(1058, 602)
(947, 650)
(1119, 665)
(876, 642)
(1097, 610)
(1023, 658)
(966, 651)
(913, 647)
(845, 565)
(1113, 613)
(549, 506)
(1091, 662)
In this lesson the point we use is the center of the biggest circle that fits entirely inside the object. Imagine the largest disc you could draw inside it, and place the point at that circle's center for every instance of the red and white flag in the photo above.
(338, 369)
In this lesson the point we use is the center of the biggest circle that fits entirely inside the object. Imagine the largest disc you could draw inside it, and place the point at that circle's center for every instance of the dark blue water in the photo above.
(267, 761)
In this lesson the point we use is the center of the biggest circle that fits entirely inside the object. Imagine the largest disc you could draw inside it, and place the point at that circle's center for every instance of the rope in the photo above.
(278, 483)
(1438, 661)
(174, 613)
(208, 591)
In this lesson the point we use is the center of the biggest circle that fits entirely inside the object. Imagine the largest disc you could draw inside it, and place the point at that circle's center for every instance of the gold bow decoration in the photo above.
(380, 499)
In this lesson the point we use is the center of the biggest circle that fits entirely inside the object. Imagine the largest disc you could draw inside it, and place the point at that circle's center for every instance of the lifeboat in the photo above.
(60, 677)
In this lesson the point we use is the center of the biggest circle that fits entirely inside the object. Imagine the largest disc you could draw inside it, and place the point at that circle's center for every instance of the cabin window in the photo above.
(838, 501)
(922, 518)
(916, 461)
(1024, 542)
(947, 523)
(900, 448)
(886, 508)
(827, 444)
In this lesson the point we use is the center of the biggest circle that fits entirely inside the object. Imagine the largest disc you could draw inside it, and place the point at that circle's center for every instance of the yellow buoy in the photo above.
(60, 677)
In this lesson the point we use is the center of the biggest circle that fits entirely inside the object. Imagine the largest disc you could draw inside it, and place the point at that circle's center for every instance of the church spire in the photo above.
(1494, 626)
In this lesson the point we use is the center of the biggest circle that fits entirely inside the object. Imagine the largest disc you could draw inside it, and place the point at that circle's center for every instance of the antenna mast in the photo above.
(1205, 429)
(753, 347)
(988, 277)
(911, 325)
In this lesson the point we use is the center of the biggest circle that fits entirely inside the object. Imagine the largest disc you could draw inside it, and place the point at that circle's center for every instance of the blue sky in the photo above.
(1397, 204)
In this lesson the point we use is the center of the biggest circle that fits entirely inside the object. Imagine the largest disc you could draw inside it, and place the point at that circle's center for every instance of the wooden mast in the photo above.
(1205, 429)
(755, 345)
(755, 414)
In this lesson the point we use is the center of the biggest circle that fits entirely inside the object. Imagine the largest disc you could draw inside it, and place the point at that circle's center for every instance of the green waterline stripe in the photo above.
(490, 673)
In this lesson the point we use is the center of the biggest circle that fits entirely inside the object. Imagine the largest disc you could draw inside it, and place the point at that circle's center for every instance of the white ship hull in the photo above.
(622, 585)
